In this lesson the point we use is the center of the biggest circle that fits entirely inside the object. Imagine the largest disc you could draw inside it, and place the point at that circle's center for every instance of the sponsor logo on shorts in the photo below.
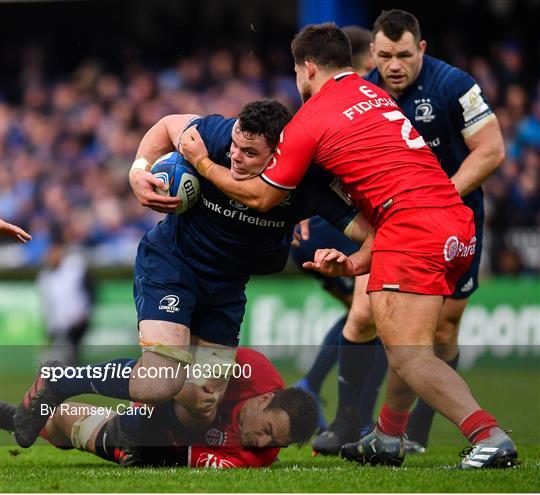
(207, 460)
(453, 248)
(468, 286)
(216, 437)
(170, 303)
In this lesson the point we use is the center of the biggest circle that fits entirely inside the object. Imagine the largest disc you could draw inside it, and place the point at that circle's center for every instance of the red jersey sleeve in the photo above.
(231, 457)
(292, 156)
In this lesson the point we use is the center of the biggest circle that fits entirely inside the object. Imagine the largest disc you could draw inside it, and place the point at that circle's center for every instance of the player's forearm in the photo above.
(487, 152)
(251, 192)
(361, 260)
(358, 229)
(476, 168)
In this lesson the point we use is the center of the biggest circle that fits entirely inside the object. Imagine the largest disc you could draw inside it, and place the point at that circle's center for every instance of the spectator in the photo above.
(68, 294)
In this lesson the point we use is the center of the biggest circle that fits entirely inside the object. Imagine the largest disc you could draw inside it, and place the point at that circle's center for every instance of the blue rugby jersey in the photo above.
(445, 105)
(221, 237)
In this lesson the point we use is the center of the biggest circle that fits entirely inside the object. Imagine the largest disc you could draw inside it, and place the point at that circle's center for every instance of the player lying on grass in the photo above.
(191, 269)
(256, 417)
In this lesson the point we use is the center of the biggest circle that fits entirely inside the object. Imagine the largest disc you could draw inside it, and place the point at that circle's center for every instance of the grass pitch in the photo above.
(512, 394)
(46, 469)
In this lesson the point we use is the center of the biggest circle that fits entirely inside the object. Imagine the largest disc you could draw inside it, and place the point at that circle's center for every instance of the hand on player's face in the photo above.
(249, 154)
(398, 62)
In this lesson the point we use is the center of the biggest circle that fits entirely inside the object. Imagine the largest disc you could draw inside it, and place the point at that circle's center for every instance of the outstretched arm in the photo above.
(14, 231)
(334, 263)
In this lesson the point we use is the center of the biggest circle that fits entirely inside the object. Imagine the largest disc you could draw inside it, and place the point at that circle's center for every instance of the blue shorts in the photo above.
(167, 288)
(324, 235)
(468, 283)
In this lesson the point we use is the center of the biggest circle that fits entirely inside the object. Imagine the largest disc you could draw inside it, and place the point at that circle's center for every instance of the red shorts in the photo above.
(423, 250)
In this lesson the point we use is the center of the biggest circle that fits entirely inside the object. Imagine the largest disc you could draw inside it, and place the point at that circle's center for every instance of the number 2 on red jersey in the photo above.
(406, 129)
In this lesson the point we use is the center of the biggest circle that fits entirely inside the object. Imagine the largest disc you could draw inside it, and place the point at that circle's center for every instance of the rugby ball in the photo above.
(180, 178)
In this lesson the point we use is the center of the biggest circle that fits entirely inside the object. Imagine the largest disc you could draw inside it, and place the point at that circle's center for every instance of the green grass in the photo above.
(512, 394)
(45, 469)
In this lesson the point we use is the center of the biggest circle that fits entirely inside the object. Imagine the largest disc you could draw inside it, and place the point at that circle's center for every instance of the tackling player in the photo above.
(191, 269)
(448, 109)
(423, 240)
(256, 417)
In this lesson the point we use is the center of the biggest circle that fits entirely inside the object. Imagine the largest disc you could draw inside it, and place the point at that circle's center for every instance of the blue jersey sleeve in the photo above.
(215, 131)
(469, 107)
(324, 198)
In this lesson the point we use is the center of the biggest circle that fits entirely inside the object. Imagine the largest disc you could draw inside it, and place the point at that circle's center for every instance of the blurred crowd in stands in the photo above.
(68, 142)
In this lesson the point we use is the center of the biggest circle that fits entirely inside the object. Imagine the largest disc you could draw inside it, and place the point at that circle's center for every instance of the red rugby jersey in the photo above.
(356, 131)
(221, 447)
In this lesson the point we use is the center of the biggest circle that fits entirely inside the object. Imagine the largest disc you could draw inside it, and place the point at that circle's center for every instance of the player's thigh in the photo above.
(166, 332)
(404, 318)
(165, 290)
(406, 324)
(222, 304)
(164, 312)
(359, 326)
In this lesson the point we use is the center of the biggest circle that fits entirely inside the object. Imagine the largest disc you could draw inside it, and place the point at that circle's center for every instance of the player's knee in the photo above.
(447, 331)
(359, 326)
(446, 338)
(405, 359)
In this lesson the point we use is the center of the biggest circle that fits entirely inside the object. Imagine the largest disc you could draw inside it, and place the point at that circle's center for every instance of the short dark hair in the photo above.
(360, 39)
(266, 117)
(302, 411)
(393, 23)
(323, 44)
